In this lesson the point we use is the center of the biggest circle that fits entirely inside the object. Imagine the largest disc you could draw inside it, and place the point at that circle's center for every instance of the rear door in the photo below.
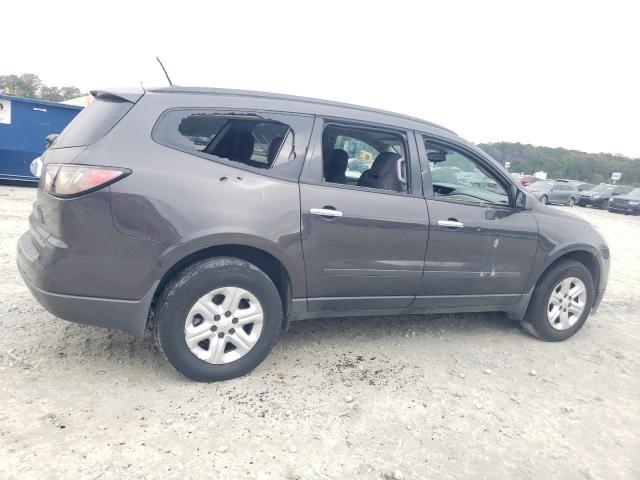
(479, 242)
(560, 193)
(363, 244)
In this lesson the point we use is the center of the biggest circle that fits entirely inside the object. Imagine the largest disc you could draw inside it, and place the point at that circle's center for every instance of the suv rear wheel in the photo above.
(561, 302)
(218, 319)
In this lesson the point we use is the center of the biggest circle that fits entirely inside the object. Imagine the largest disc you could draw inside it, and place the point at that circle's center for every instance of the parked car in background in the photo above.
(600, 195)
(581, 186)
(525, 180)
(628, 203)
(551, 191)
(217, 247)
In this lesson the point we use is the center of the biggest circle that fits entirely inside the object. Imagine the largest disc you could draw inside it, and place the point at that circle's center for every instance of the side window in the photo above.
(247, 139)
(362, 157)
(458, 177)
(266, 136)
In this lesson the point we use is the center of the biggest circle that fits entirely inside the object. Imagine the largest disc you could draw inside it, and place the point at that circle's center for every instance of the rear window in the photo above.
(93, 122)
(250, 139)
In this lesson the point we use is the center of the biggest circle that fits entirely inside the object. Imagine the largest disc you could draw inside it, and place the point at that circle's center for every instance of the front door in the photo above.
(479, 244)
(364, 220)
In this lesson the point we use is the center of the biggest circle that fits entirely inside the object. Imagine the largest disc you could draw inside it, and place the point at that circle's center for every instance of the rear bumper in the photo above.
(126, 315)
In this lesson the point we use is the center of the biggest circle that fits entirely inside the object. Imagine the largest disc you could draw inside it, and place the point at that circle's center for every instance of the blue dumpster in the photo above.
(24, 125)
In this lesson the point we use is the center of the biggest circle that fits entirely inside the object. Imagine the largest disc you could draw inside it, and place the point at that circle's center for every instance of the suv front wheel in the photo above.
(561, 302)
(218, 319)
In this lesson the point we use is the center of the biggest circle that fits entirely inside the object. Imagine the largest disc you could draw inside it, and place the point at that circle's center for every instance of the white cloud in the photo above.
(549, 73)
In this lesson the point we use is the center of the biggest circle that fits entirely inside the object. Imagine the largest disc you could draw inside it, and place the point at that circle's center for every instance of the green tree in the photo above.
(29, 85)
(563, 163)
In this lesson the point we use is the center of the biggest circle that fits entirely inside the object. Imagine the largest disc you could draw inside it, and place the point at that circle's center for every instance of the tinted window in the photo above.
(364, 157)
(634, 193)
(458, 177)
(603, 188)
(93, 122)
(247, 139)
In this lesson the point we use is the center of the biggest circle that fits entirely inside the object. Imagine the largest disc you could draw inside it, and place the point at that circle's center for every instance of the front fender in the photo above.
(562, 234)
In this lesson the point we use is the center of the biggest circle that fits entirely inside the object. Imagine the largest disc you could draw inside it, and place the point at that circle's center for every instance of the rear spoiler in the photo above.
(131, 95)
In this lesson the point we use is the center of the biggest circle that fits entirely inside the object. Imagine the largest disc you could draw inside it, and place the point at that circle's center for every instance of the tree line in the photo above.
(562, 163)
(29, 85)
(557, 162)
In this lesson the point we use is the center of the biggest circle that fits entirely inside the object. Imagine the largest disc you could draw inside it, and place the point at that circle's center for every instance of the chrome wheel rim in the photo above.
(567, 303)
(223, 325)
(543, 200)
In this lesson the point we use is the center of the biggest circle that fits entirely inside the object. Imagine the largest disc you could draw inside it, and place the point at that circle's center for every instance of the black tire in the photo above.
(536, 322)
(604, 205)
(192, 283)
(544, 200)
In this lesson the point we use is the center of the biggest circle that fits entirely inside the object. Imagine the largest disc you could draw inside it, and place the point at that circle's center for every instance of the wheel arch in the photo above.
(265, 261)
(584, 256)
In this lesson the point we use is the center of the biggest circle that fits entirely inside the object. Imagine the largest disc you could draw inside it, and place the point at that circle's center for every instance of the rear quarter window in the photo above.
(248, 139)
(93, 122)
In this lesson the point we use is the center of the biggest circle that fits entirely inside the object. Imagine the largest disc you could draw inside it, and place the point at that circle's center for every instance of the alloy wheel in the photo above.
(223, 325)
(566, 304)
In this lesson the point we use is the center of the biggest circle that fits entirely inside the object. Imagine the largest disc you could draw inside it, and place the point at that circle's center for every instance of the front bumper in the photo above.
(588, 201)
(628, 209)
(126, 315)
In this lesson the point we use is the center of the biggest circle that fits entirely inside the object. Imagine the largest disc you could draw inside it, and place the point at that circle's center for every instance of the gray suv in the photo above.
(553, 191)
(216, 217)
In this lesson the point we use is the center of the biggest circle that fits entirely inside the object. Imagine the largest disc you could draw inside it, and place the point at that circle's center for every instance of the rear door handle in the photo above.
(450, 223)
(326, 212)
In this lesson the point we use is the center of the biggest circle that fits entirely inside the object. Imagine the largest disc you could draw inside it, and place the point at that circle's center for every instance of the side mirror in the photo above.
(436, 157)
(523, 200)
(50, 139)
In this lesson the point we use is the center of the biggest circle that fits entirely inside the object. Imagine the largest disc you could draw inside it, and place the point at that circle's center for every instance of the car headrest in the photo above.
(384, 163)
(243, 146)
(274, 148)
(339, 160)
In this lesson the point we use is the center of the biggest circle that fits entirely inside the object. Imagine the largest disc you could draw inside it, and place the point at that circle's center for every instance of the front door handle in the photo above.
(450, 223)
(326, 212)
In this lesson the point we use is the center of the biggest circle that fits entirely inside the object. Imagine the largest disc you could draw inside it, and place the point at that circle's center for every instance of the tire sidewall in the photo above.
(537, 312)
(193, 283)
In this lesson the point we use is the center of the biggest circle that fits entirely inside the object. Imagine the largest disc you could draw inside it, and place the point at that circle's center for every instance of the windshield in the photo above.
(603, 188)
(635, 193)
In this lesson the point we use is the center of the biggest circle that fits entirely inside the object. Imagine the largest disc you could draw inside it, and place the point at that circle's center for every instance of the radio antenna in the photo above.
(165, 71)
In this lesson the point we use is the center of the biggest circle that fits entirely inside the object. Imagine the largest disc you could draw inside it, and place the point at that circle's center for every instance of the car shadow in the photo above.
(469, 324)
(109, 350)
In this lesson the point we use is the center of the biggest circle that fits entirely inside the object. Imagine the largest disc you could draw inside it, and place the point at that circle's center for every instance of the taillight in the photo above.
(524, 182)
(68, 180)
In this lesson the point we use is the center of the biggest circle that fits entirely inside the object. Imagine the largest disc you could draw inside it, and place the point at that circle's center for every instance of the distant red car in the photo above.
(525, 180)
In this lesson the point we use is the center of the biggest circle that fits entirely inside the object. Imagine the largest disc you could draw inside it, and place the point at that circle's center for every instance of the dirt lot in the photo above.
(413, 397)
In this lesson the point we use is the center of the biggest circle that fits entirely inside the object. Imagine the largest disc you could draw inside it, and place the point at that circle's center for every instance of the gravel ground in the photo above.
(441, 396)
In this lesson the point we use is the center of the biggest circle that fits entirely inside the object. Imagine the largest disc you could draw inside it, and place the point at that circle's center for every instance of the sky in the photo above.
(553, 73)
